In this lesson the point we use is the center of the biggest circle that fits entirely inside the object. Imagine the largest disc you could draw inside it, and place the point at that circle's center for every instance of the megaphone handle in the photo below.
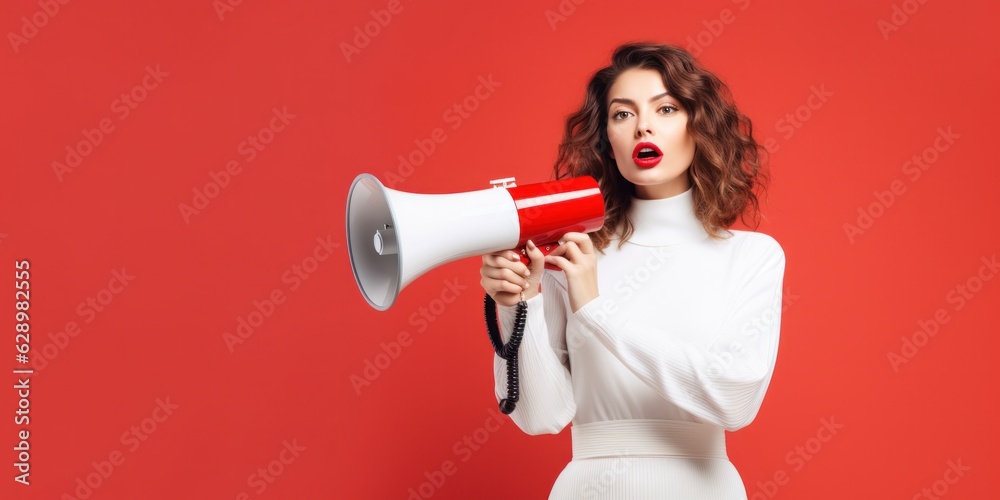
(546, 249)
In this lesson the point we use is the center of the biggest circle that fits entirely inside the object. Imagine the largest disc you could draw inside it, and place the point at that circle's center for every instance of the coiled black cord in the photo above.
(509, 350)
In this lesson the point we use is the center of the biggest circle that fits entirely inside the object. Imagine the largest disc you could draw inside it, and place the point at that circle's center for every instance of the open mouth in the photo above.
(646, 154)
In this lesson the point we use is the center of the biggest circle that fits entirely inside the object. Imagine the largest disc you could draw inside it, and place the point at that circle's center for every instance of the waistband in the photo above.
(649, 438)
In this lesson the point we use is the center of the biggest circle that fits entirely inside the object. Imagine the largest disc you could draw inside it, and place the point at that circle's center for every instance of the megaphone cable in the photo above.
(509, 350)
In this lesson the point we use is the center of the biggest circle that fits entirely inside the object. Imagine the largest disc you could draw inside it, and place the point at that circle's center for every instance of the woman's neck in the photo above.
(665, 221)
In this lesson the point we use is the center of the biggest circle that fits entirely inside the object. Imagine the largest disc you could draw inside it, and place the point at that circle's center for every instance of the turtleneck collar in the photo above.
(665, 221)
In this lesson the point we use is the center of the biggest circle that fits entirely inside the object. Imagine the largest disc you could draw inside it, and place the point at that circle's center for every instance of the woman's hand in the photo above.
(575, 256)
(504, 277)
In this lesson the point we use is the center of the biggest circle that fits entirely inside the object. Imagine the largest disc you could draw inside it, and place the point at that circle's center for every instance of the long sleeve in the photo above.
(723, 377)
(546, 403)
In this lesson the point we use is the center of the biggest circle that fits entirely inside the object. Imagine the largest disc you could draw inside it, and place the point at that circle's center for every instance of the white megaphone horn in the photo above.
(395, 237)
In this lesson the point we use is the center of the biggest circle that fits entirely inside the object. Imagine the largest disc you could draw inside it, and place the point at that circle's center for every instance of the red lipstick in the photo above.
(646, 155)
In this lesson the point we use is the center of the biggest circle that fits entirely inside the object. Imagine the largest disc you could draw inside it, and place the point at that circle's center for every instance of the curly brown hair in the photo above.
(725, 171)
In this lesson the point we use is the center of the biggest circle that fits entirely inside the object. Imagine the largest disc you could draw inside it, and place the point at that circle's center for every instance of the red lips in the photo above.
(648, 159)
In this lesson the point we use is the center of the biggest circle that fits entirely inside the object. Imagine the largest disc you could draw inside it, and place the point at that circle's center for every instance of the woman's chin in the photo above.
(662, 182)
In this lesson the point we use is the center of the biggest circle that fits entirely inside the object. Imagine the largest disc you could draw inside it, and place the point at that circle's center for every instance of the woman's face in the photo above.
(640, 111)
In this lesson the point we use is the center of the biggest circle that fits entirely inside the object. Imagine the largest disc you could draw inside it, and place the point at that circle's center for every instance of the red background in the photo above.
(848, 303)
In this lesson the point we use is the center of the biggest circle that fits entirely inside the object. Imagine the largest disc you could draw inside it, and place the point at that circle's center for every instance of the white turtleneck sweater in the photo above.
(685, 328)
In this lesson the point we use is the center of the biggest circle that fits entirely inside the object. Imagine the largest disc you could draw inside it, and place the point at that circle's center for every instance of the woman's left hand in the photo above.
(576, 256)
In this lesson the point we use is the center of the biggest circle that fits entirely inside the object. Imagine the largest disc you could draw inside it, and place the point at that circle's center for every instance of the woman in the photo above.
(660, 332)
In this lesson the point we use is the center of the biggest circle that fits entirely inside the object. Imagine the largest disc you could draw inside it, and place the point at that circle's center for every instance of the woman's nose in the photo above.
(643, 129)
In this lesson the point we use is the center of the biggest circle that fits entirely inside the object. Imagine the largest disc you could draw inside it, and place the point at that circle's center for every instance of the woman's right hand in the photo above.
(504, 277)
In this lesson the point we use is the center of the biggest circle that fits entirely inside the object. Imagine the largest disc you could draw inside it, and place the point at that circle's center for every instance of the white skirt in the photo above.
(648, 459)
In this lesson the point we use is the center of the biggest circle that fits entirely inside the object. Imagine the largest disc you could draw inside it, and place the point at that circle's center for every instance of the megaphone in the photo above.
(395, 237)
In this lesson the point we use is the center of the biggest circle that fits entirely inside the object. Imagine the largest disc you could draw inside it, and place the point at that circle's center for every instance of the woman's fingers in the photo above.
(506, 286)
(559, 250)
(536, 257)
(505, 278)
(558, 261)
(569, 250)
(571, 255)
(503, 283)
(504, 274)
(496, 258)
(573, 252)
(582, 240)
(507, 259)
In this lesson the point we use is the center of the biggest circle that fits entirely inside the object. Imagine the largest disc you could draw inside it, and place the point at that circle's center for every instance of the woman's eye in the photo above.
(620, 115)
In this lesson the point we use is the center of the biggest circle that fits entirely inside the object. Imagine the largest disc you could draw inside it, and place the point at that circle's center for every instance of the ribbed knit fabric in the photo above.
(648, 438)
(685, 329)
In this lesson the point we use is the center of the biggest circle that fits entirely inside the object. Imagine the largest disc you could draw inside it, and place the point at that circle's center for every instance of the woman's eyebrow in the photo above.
(630, 102)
